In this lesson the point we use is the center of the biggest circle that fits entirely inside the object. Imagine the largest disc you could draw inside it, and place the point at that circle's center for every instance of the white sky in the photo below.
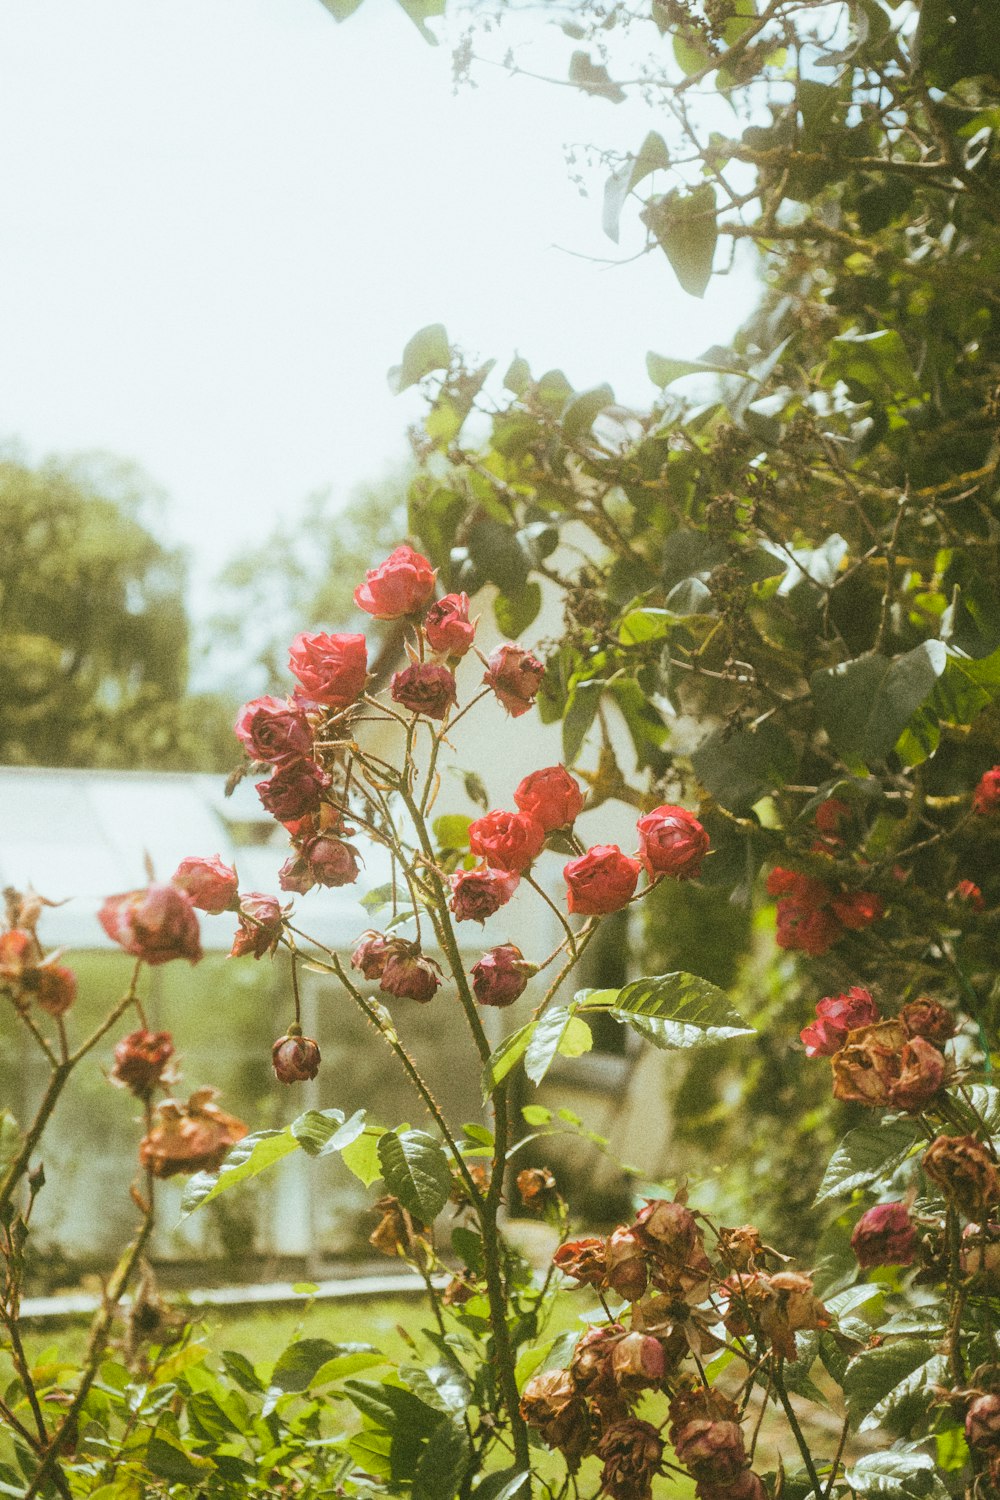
(222, 220)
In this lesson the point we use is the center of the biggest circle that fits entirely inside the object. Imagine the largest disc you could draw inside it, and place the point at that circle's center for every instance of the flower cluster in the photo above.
(27, 974)
(885, 1064)
(812, 915)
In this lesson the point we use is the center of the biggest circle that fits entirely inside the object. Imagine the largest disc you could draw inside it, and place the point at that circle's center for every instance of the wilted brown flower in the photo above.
(867, 1066)
(537, 1188)
(627, 1272)
(741, 1248)
(929, 1019)
(551, 1403)
(397, 1231)
(638, 1361)
(964, 1171)
(631, 1451)
(191, 1137)
(585, 1260)
(674, 1242)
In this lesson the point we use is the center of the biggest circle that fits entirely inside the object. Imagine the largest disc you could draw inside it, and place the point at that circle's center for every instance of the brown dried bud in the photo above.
(585, 1260)
(397, 1232)
(921, 1075)
(868, 1065)
(551, 1403)
(964, 1171)
(638, 1361)
(591, 1362)
(671, 1233)
(371, 953)
(781, 1304)
(191, 1137)
(141, 1061)
(537, 1188)
(631, 1452)
(710, 1449)
(980, 1253)
(928, 1019)
(627, 1273)
(741, 1248)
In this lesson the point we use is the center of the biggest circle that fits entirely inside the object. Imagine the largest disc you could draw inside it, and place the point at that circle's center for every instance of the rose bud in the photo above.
(884, 1236)
(331, 862)
(537, 1188)
(477, 894)
(986, 797)
(637, 1361)
(631, 1452)
(424, 687)
(409, 975)
(867, 1067)
(627, 1273)
(710, 1449)
(515, 677)
(836, 1015)
(296, 876)
(506, 840)
(969, 892)
(601, 881)
(501, 976)
(208, 884)
(927, 1019)
(141, 1061)
(18, 951)
(399, 586)
(672, 842)
(921, 1074)
(447, 625)
(260, 926)
(192, 1137)
(156, 924)
(964, 1171)
(371, 953)
(294, 790)
(551, 1403)
(982, 1422)
(52, 986)
(856, 910)
(591, 1362)
(397, 1232)
(296, 1058)
(980, 1252)
(332, 669)
(832, 816)
(551, 797)
(741, 1248)
(584, 1260)
(273, 730)
(806, 930)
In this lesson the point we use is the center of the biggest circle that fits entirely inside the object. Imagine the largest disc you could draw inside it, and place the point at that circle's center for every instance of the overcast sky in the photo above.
(222, 219)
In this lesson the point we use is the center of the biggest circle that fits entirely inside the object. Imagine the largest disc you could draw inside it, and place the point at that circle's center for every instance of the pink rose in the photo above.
(551, 796)
(294, 790)
(477, 894)
(332, 669)
(506, 840)
(447, 625)
(501, 976)
(672, 842)
(884, 1236)
(155, 924)
(515, 676)
(273, 730)
(399, 586)
(601, 881)
(836, 1015)
(424, 687)
(208, 884)
(260, 926)
(986, 797)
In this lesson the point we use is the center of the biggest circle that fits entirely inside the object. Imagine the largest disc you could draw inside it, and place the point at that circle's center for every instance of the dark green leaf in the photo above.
(865, 704)
(741, 767)
(509, 1052)
(878, 362)
(894, 1475)
(515, 612)
(416, 1171)
(683, 224)
(322, 1132)
(581, 711)
(673, 1010)
(443, 1463)
(166, 1457)
(868, 1155)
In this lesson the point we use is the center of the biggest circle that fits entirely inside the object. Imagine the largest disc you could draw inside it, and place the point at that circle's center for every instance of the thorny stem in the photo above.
(779, 1385)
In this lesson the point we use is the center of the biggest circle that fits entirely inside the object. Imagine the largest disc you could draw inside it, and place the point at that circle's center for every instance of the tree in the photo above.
(93, 627)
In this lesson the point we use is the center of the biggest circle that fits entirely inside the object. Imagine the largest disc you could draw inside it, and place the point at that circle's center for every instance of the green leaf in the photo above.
(873, 1376)
(296, 1367)
(443, 1464)
(419, 12)
(248, 1158)
(322, 1132)
(515, 612)
(894, 1475)
(663, 370)
(547, 1033)
(451, 831)
(505, 1057)
(674, 1010)
(878, 362)
(910, 1400)
(518, 376)
(965, 688)
(865, 704)
(416, 1171)
(580, 713)
(361, 1156)
(653, 155)
(740, 767)
(498, 555)
(166, 1457)
(427, 350)
(580, 411)
(957, 39)
(684, 226)
(379, 895)
(868, 1155)
(594, 78)
(443, 1386)
(341, 9)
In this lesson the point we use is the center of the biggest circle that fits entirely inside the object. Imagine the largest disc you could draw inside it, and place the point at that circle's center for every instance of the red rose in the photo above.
(295, 1058)
(600, 881)
(811, 931)
(836, 1015)
(18, 951)
(424, 688)
(831, 816)
(986, 797)
(585, 1260)
(273, 730)
(884, 1236)
(141, 1060)
(968, 891)
(501, 976)
(551, 796)
(371, 954)
(399, 586)
(477, 894)
(155, 924)
(447, 625)
(293, 791)
(331, 861)
(515, 676)
(208, 884)
(53, 987)
(672, 842)
(408, 974)
(332, 669)
(506, 840)
(857, 909)
(260, 926)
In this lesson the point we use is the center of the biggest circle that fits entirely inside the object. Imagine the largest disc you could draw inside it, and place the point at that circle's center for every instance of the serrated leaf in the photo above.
(675, 1010)
(543, 1044)
(248, 1158)
(361, 1156)
(895, 1475)
(874, 1374)
(416, 1171)
(506, 1056)
(322, 1132)
(444, 1386)
(444, 1462)
(869, 1154)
